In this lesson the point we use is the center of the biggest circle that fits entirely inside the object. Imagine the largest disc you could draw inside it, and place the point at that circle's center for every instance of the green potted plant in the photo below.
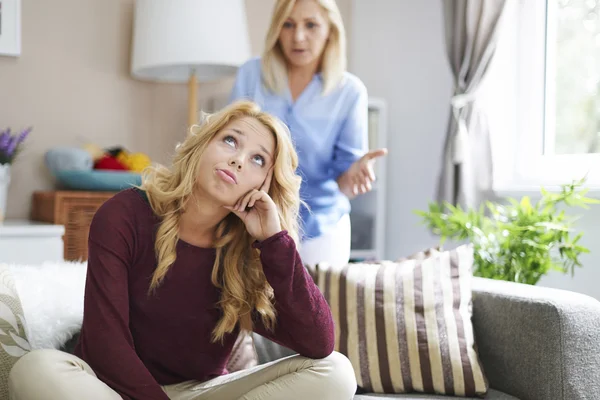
(517, 241)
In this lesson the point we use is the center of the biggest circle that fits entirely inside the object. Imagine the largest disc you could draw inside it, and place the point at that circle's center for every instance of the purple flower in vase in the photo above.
(4, 139)
(10, 144)
(23, 135)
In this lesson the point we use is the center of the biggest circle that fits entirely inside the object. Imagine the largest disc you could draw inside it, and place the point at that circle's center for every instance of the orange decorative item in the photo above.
(109, 163)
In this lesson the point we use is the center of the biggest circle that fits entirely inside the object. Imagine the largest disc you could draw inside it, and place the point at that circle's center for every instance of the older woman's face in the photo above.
(304, 34)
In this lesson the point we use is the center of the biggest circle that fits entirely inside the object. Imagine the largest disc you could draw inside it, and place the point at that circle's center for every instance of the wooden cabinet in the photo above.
(72, 209)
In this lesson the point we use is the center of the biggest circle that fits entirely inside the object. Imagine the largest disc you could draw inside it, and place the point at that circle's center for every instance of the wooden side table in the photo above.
(74, 210)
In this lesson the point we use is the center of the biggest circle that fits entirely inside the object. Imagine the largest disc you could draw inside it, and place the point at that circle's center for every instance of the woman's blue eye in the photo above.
(260, 160)
(311, 25)
(230, 140)
(287, 24)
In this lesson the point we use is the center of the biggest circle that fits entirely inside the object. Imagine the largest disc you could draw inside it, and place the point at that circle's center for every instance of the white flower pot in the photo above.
(4, 183)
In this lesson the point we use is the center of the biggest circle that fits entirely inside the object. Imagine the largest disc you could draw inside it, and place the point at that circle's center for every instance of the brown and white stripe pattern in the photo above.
(406, 326)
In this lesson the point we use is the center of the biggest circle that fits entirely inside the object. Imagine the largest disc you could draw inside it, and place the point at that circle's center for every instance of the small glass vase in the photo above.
(4, 183)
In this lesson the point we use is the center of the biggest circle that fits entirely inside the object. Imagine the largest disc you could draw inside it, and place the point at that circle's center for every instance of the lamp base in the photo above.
(192, 100)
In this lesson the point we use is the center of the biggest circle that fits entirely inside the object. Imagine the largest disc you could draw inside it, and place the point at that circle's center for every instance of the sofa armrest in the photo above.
(537, 343)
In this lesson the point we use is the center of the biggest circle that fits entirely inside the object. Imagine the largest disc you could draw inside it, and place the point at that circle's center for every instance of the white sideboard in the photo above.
(28, 242)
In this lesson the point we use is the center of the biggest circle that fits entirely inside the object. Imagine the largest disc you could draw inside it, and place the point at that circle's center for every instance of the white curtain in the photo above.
(472, 29)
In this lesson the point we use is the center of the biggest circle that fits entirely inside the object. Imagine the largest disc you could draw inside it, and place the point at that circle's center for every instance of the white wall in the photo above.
(398, 50)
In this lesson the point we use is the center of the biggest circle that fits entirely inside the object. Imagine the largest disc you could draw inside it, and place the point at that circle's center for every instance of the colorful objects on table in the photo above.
(91, 167)
(68, 159)
(109, 162)
(95, 151)
(115, 151)
(135, 162)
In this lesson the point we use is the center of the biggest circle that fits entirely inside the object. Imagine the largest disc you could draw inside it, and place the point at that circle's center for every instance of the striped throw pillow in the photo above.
(406, 325)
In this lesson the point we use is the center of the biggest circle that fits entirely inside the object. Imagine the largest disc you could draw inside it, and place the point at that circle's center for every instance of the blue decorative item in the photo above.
(95, 180)
(68, 159)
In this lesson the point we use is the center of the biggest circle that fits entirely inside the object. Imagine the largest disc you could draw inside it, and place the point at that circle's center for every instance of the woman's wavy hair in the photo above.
(333, 64)
(237, 271)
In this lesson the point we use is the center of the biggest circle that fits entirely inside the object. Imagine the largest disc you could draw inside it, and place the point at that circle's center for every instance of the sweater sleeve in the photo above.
(304, 322)
(106, 343)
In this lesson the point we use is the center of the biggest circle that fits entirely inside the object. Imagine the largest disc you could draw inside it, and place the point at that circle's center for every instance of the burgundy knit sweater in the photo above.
(135, 342)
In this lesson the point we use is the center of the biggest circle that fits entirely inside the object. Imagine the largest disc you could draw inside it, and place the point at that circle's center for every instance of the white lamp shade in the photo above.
(173, 38)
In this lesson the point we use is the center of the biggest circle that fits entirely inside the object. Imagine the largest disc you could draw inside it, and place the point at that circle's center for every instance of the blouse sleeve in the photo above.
(352, 142)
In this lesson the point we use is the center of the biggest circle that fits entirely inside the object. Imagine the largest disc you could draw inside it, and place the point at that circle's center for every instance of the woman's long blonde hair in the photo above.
(333, 64)
(237, 271)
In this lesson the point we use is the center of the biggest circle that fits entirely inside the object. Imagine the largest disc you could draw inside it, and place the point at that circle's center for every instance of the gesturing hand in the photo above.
(258, 211)
(359, 177)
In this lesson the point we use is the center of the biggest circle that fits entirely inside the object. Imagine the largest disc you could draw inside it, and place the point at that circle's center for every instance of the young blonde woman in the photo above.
(302, 79)
(177, 268)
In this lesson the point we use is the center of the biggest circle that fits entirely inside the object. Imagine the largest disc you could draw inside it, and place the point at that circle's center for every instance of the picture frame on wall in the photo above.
(10, 28)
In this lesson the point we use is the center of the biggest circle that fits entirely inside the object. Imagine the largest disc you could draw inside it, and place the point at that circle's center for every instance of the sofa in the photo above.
(535, 343)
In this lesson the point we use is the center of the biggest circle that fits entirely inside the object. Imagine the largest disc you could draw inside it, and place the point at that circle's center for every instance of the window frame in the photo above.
(521, 159)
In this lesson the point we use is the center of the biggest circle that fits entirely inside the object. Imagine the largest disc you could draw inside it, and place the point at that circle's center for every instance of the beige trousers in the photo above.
(56, 375)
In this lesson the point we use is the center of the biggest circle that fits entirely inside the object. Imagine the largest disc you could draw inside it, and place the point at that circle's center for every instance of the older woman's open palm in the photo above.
(359, 178)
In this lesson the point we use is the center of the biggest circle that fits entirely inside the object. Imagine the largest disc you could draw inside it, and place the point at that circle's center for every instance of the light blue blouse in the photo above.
(329, 133)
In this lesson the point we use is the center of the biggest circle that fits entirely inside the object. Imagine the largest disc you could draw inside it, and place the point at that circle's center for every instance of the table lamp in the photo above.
(189, 41)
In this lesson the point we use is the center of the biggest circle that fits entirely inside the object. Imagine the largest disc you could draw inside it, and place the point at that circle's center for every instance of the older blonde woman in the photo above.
(176, 269)
(302, 79)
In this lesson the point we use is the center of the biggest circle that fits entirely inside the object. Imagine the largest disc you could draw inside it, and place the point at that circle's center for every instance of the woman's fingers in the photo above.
(250, 199)
(368, 171)
(363, 181)
(355, 185)
(258, 195)
(373, 154)
(267, 184)
(245, 200)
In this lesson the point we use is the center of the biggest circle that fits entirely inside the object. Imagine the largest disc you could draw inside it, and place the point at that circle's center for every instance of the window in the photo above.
(545, 80)
(573, 68)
